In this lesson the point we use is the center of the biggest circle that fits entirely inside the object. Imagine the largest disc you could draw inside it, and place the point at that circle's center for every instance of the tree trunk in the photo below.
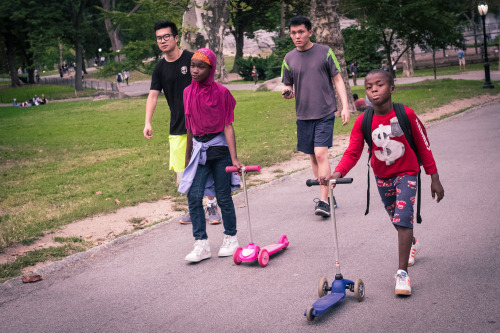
(78, 69)
(116, 43)
(282, 20)
(408, 63)
(207, 32)
(77, 19)
(434, 62)
(9, 45)
(239, 38)
(326, 26)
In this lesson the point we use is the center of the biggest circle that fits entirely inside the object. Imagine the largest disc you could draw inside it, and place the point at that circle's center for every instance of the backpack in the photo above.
(405, 125)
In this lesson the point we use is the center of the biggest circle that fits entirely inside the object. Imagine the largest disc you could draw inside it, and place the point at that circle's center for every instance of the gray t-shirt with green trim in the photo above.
(311, 73)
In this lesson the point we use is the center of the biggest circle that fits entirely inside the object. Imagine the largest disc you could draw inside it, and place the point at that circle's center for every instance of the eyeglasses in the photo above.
(165, 38)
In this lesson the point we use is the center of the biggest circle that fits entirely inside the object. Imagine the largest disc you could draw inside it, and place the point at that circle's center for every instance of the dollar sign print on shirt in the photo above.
(388, 150)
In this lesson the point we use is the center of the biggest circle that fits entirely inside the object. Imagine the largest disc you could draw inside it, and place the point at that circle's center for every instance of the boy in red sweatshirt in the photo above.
(395, 166)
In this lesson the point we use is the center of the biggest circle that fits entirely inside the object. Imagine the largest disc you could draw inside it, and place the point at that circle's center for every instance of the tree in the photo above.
(404, 23)
(326, 27)
(137, 33)
(203, 26)
(362, 45)
(247, 16)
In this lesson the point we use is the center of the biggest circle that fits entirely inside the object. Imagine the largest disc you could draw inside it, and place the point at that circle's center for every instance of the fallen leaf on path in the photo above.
(117, 201)
(31, 278)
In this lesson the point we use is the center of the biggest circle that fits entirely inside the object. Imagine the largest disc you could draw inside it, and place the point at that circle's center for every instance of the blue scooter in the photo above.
(339, 285)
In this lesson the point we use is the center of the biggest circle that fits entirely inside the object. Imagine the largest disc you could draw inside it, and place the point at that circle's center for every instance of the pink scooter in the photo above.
(253, 252)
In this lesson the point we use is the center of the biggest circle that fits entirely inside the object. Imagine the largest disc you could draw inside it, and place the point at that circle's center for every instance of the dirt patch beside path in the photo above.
(101, 229)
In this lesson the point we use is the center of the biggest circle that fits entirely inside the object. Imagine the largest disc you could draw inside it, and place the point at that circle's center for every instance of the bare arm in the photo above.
(231, 143)
(338, 82)
(189, 147)
(150, 109)
(436, 187)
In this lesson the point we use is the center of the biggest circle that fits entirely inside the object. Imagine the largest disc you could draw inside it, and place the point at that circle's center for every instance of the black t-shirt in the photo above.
(214, 152)
(172, 78)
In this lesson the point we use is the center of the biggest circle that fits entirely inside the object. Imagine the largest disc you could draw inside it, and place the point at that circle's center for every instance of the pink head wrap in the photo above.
(208, 105)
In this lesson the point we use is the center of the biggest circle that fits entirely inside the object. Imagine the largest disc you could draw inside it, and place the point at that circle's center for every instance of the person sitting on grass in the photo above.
(359, 103)
(211, 147)
(42, 100)
(395, 166)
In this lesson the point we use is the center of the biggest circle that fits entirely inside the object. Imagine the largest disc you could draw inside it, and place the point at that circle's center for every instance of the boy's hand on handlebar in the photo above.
(325, 180)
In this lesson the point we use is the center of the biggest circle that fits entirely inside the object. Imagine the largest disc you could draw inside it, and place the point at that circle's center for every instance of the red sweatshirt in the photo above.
(392, 155)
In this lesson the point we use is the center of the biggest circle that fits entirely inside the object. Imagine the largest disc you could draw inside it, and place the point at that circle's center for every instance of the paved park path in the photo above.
(141, 283)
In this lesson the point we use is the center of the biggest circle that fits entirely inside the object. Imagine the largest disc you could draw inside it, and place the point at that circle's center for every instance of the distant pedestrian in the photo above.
(461, 58)
(37, 76)
(126, 75)
(255, 75)
(353, 69)
(385, 66)
(119, 78)
(393, 63)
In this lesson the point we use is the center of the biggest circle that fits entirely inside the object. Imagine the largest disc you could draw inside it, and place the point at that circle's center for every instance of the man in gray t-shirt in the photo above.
(310, 72)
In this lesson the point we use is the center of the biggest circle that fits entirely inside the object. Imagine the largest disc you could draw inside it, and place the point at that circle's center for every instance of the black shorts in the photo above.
(315, 133)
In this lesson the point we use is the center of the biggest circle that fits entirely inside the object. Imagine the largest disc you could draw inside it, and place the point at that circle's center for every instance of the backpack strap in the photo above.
(366, 128)
(405, 125)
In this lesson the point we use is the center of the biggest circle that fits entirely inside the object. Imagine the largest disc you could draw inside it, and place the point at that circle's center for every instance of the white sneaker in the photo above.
(413, 252)
(229, 245)
(402, 283)
(201, 251)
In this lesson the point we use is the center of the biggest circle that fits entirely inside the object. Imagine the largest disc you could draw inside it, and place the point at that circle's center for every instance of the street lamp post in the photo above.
(482, 7)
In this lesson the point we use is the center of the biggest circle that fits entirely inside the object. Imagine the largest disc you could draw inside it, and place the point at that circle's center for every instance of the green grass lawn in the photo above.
(452, 70)
(7, 93)
(63, 162)
(134, 76)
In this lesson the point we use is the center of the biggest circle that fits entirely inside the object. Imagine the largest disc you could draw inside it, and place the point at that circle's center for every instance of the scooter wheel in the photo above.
(359, 290)
(309, 314)
(263, 258)
(236, 255)
(323, 287)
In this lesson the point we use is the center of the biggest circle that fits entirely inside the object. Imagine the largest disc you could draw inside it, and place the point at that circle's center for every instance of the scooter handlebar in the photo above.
(312, 182)
(248, 168)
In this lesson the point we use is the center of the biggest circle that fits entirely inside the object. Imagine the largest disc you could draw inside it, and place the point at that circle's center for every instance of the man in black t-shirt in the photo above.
(172, 75)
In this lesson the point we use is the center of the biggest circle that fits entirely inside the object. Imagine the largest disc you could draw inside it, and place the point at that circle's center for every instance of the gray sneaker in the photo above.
(213, 213)
(185, 219)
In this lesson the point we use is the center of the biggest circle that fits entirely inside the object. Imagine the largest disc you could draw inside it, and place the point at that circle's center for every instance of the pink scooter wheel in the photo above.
(263, 258)
(236, 256)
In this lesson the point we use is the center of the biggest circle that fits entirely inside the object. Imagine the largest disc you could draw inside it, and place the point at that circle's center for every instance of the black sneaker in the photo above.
(322, 208)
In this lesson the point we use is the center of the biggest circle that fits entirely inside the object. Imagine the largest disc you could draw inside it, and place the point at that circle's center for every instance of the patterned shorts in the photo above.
(398, 195)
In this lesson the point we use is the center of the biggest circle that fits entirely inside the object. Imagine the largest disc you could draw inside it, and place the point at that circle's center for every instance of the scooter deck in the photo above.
(273, 248)
(326, 302)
